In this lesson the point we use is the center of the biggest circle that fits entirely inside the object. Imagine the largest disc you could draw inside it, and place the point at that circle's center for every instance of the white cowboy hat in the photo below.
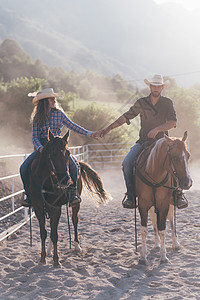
(47, 93)
(157, 80)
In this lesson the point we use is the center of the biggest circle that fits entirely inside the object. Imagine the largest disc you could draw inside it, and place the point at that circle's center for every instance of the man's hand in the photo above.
(99, 134)
(95, 135)
(152, 133)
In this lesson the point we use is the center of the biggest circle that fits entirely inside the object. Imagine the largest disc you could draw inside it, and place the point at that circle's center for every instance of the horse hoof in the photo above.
(43, 261)
(165, 261)
(143, 262)
(57, 265)
(176, 247)
(77, 247)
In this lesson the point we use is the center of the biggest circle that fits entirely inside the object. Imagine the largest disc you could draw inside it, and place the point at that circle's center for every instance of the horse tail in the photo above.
(94, 184)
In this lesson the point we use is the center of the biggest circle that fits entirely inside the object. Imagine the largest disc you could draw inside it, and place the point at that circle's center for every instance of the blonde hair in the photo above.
(41, 112)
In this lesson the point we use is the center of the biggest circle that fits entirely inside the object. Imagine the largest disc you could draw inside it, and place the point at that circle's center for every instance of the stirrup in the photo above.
(179, 195)
(130, 204)
(26, 202)
(184, 200)
(74, 199)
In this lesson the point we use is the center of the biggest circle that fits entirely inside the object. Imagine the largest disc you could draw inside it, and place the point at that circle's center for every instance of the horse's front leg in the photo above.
(54, 220)
(43, 236)
(75, 211)
(163, 252)
(155, 228)
(143, 231)
(161, 223)
(175, 243)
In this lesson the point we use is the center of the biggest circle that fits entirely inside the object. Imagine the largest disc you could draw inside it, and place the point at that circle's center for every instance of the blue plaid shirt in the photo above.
(55, 122)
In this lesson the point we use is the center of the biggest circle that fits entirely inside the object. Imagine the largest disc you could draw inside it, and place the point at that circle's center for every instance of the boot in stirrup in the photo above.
(26, 202)
(180, 200)
(129, 200)
(73, 197)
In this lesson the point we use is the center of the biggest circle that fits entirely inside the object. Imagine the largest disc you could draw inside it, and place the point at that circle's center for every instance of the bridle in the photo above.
(52, 175)
(53, 169)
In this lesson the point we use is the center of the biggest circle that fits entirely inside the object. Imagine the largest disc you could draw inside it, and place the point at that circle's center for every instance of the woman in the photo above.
(47, 114)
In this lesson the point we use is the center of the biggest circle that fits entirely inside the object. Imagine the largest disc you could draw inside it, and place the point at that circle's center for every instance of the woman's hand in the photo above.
(99, 134)
(95, 135)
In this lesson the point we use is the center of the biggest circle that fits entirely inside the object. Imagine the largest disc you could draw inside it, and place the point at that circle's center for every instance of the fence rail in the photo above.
(97, 155)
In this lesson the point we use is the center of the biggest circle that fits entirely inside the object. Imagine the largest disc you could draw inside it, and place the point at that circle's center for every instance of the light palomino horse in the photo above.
(167, 162)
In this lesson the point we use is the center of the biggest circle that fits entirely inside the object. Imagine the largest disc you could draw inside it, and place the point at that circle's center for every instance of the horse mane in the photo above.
(155, 151)
(159, 145)
(41, 157)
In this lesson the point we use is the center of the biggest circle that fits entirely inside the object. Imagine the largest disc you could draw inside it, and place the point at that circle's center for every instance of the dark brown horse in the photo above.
(48, 189)
(164, 163)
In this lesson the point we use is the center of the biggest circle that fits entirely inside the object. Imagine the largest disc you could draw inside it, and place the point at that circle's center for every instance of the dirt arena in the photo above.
(108, 267)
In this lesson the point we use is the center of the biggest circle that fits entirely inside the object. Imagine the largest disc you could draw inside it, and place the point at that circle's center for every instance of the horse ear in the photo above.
(66, 137)
(169, 141)
(50, 135)
(184, 136)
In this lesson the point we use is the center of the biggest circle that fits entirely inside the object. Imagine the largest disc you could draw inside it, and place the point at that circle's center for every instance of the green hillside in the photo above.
(90, 99)
(57, 49)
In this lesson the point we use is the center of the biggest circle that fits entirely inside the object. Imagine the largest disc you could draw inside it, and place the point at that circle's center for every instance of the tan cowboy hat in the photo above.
(47, 93)
(157, 80)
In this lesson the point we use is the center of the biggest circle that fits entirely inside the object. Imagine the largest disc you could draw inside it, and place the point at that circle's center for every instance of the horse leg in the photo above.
(75, 211)
(54, 220)
(161, 223)
(143, 231)
(49, 247)
(155, 228)
(175, 243)
(43, 236)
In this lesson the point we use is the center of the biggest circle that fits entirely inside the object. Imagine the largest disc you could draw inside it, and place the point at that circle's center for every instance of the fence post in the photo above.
(87, 153)
(13, 190)
(25, 208)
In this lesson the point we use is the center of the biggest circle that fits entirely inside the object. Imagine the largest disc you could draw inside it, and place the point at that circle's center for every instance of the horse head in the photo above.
(57, 155)
(178, 159)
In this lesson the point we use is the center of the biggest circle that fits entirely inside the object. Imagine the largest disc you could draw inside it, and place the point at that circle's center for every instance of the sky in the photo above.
(163, 39)
(187, 4)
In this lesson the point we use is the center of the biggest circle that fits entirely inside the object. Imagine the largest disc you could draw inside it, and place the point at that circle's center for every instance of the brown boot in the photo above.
(181, 201)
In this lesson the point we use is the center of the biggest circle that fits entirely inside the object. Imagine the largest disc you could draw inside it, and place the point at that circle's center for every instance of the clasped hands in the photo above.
(100, 133)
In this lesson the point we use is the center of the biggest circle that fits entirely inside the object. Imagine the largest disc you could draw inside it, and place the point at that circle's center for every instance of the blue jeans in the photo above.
(129, 162)
(24, 170)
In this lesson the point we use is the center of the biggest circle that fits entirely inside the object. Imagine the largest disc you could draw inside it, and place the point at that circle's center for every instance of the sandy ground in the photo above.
(108, 267)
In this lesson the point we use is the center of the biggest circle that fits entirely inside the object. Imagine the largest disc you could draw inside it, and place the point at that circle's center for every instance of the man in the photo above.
(157, 116)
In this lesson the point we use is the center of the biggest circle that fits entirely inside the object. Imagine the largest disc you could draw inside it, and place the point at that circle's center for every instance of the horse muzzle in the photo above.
(185, 183)
(63, 179)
